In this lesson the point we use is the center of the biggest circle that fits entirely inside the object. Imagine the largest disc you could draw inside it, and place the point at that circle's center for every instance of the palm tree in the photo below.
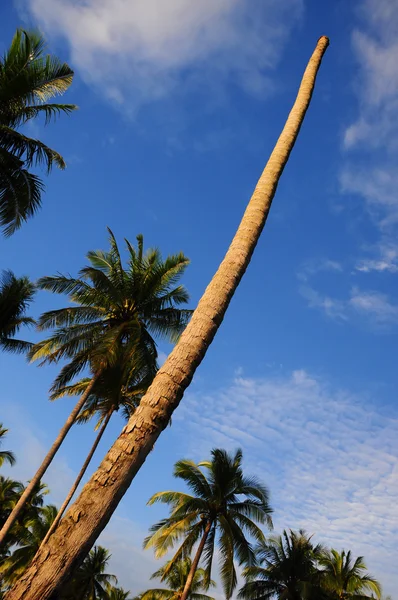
(175, 573)
(98, 500)
(5, 455)
(287, 571)
(16, 293)
(117, 310)
(28, 79)
(119, 388)
(343, 577)
(37, 527)
(215, 514)
(91, 581)
(116, 593)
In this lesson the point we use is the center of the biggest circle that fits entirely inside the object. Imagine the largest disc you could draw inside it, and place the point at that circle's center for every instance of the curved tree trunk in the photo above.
(90, 513)
(195, 562)
(78, 479)
(46, 462)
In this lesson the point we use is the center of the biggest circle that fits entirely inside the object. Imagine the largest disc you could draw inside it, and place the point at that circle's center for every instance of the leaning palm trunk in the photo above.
(46, 462)
(78, 479)
(195, 562)
(88, 516)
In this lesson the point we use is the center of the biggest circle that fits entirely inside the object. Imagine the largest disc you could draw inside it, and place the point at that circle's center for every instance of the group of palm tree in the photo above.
(90, 582)
(105, 340)
(220, 513)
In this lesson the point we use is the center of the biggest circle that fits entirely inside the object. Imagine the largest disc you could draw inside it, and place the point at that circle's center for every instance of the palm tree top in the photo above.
(28, 79)
(16, 294)
(115, 306)
(346, 577)
(224, 507)
(175, 574)
(5, 455)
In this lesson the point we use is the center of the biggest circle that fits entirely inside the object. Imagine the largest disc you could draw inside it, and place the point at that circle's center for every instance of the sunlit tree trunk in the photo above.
(46, 462)
(99, 498)
(78, 479)
(195, 562)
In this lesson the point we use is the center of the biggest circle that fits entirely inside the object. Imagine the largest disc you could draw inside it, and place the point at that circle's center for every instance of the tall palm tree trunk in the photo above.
(78, 478)
(90, 513)
(195, 562)
(46, 462)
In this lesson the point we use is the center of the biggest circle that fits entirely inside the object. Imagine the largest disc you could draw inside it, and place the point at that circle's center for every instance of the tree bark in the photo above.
(99, 498)
(78, 479)
(46, 462)
(195, 562)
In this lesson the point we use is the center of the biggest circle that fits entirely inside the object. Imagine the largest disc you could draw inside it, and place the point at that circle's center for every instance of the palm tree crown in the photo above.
(343, 577)
(224, 507)
(16, 293)
(5, 455)
(91, 581)
(117, 310)
(175, 575)
(28, 79)
(29, 542)
(288, 569)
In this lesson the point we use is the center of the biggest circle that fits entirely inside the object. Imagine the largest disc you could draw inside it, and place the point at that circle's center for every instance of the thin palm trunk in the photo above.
(78, 479)
(195, 562)
(46, 462)
(99, 498)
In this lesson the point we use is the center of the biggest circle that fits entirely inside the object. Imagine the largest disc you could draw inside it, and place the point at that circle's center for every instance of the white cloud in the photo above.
(328, 456)
(375, 306)
(136, 51)
(385, 259)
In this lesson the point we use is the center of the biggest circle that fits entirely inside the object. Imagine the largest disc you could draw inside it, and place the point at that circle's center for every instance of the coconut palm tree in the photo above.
(28, 79)
(16, 293)
(116, 593)
(119, 388)
(344, 577)
(36, 528)
(98, 500)
(91, 581)
(215, 514)
(175, 574)
(286, 569)
(5, 455)
(116, 310)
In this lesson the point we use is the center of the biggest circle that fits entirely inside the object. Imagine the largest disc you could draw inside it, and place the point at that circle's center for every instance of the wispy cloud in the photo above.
(312, 267)
(366, 307)
(372, 138)
(136, 52)
(328, 456)
(385, 259)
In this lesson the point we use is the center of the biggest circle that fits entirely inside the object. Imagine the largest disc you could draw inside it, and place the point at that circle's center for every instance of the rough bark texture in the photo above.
(46, 462)
(99, 498)
(78, 479)
(195, 562)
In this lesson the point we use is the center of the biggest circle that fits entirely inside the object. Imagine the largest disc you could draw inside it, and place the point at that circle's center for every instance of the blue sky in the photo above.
(180, 105)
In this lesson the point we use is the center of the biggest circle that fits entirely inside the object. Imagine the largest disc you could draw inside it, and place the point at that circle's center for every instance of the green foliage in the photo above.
(34, 531)
(16, 293)
(28, 79)
(222, 499)
(344, 577)
(5, 455)
(287, 568)
(117, 312)
(175, 575)
(91, 581)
